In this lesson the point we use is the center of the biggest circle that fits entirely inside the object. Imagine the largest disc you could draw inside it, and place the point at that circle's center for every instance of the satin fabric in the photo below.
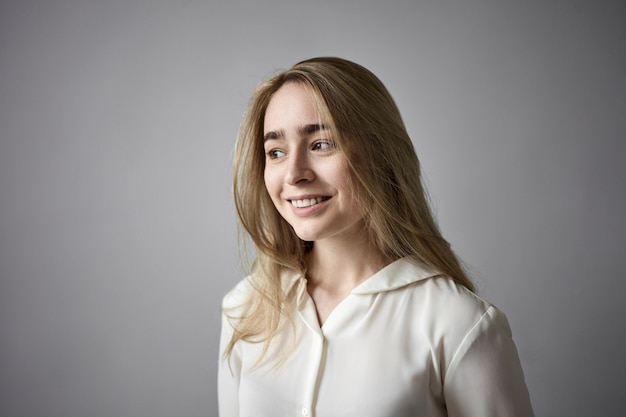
(406, 342)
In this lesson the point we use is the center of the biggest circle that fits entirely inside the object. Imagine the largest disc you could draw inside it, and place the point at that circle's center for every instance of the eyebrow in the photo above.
(303, 130)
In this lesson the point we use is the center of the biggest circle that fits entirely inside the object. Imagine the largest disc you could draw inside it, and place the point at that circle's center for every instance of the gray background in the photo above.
(117, 231)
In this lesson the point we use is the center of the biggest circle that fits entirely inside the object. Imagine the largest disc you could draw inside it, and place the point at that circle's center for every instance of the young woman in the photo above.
(355, 304)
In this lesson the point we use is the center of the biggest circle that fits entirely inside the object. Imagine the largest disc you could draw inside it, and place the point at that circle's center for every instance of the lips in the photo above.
(307, 202)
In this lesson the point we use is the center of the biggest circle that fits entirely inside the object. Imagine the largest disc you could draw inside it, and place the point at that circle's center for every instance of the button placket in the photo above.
(313, 379)
(308, 315)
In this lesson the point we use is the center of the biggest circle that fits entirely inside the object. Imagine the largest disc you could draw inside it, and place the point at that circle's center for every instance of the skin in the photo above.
(304, 166)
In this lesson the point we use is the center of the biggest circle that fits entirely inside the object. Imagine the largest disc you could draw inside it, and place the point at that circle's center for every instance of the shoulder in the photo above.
(256, 284)
(451, 307)
(449, 300)
(445, 310)
(238, 294)
(426, 296)
(430, 291)
(455, 318)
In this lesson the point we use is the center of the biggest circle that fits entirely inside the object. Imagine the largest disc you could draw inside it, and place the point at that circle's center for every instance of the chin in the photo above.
(307, 235)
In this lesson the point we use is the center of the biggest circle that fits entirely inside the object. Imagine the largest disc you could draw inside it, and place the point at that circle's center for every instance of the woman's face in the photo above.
(306, 176)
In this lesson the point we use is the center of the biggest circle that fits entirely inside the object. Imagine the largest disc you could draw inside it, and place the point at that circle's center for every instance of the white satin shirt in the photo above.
(405, 342)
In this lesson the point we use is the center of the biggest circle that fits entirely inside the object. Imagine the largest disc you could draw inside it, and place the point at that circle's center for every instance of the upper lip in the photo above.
(306, 197)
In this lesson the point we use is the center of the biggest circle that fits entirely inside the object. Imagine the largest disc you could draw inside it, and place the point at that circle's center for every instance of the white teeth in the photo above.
(307, 202)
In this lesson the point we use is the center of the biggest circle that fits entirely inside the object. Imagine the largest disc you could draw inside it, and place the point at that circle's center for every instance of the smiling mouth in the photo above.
(308, 202)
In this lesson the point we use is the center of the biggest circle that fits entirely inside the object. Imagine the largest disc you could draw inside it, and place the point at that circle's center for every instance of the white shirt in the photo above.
(405, 342)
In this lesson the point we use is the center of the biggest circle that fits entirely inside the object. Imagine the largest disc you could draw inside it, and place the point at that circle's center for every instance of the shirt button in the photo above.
(305, 411)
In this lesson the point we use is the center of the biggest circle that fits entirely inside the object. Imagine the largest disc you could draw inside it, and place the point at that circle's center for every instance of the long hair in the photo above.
(385, 172)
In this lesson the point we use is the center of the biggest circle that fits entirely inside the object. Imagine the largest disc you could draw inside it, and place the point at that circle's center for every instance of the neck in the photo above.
(338, 266)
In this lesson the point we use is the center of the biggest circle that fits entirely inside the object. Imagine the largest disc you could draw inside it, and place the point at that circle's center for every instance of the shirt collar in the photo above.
(399, 273)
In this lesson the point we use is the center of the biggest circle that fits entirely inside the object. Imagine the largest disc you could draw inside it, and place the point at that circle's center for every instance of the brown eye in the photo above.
(275, 153)
(323, 145)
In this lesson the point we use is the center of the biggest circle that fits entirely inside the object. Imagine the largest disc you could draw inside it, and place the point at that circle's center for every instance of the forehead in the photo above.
(291, 104)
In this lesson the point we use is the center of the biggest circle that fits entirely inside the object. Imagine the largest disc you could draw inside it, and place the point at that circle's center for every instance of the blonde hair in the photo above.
(385, 171)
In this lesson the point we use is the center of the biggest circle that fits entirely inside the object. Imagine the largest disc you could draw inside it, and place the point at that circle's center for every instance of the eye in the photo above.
(323, 145)
(275, 154)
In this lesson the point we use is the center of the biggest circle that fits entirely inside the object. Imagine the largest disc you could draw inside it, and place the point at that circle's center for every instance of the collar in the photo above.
(399, 273)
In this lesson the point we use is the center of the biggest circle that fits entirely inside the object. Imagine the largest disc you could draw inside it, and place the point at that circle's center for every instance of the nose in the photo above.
(299, 168)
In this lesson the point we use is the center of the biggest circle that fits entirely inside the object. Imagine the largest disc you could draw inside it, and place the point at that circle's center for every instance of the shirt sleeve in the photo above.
(484, 377)
(228, 375)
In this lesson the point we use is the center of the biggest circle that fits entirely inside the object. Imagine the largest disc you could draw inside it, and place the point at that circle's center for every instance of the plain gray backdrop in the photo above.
(117, 229)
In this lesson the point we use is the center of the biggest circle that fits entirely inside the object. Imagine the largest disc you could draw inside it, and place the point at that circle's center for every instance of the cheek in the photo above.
(350, 190)
(271, 183)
